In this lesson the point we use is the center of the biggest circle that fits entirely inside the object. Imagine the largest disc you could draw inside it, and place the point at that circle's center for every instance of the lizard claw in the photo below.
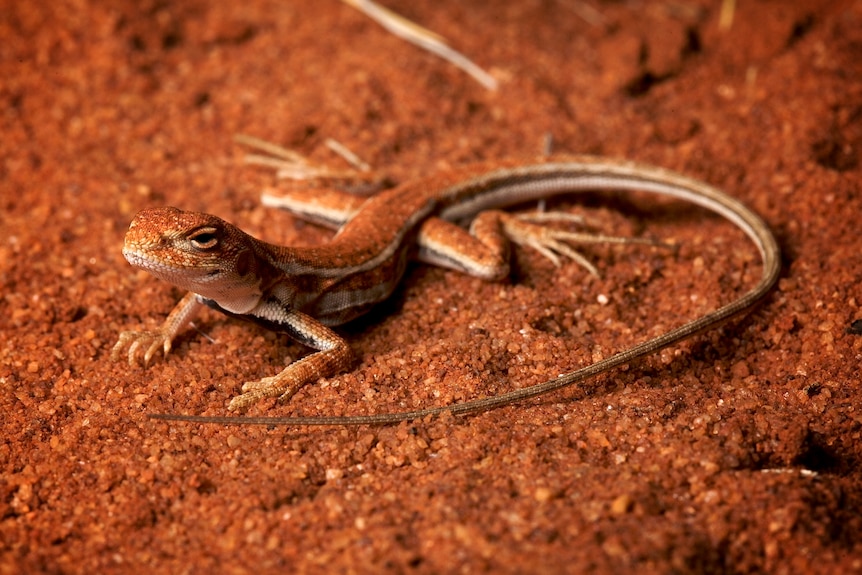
(552, 249)
(240, 402)
(150, 341)
(282, 385)
(253, 391)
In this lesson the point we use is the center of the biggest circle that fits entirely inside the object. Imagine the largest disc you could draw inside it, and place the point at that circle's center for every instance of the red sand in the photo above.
(738, 451)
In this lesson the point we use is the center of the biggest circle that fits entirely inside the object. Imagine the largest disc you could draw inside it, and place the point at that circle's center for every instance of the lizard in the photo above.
(305, 291)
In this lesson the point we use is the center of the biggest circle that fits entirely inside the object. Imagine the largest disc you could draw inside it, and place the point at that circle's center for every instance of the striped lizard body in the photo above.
(304, 291)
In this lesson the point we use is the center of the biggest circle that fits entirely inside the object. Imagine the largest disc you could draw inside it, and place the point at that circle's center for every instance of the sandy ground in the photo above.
(737, 451)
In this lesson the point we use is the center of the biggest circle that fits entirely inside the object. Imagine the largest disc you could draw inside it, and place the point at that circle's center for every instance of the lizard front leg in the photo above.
(150, 341)
(334, 355)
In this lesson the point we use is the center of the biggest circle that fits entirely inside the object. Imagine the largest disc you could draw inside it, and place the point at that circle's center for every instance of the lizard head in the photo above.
(197, 252)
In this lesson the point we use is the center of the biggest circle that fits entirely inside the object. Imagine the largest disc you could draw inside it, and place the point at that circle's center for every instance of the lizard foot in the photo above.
(527, 230)
(147, 341)
(254, 391)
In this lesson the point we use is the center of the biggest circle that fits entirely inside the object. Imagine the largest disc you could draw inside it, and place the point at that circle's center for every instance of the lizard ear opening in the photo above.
(244, 262)
(204, 238)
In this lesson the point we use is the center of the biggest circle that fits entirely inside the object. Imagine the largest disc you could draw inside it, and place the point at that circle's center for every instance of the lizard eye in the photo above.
(204, 238)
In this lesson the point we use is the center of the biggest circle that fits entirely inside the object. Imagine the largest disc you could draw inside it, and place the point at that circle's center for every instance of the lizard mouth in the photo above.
(155, 267)
(133, 258)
